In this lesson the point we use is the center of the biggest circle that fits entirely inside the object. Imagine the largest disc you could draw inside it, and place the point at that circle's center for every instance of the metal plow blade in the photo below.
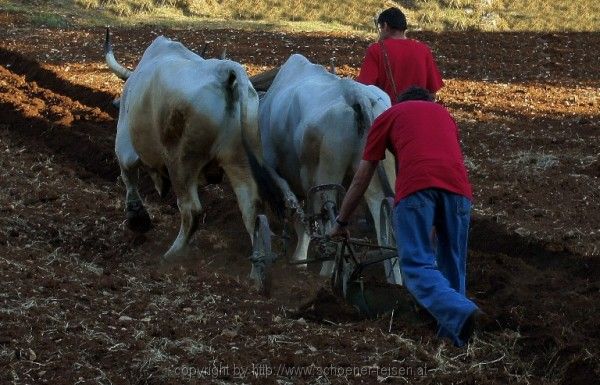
(374, 299)
(360, 280)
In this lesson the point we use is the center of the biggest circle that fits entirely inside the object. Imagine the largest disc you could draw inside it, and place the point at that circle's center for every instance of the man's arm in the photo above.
(360, 182)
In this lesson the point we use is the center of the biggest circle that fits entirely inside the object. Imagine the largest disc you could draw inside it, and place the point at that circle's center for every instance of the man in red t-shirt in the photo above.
(432, 189)
(402, 63)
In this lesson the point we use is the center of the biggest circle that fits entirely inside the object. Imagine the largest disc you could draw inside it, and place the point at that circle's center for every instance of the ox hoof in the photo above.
(174, 257)
(178, 252)
(262, 280)
(137, 218)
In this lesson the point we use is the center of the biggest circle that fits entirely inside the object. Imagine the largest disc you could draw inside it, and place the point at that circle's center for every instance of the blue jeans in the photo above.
(436, 276)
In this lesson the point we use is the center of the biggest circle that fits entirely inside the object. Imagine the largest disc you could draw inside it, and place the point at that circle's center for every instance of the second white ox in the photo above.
(313, 127)
(182, 117)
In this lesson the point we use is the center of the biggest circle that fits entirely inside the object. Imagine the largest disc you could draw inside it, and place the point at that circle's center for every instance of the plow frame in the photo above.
(348, 264)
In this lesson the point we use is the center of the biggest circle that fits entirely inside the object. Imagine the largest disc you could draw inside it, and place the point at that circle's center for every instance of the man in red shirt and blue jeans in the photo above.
(395, 62)
(432, 189)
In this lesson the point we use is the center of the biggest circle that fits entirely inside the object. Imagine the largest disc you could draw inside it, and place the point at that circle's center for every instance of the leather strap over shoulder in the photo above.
(388, 70)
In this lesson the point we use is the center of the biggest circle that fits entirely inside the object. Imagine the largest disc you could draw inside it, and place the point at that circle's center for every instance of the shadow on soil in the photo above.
(34, 72)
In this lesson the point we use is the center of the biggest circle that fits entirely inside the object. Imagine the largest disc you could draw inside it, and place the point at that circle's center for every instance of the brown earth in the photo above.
(82, 300)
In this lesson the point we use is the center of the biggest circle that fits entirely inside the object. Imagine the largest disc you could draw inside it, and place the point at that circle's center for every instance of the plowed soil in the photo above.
(84, 301)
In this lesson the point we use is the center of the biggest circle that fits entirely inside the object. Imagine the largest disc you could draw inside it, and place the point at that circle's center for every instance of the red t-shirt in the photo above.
(424, 139)
(411, 62)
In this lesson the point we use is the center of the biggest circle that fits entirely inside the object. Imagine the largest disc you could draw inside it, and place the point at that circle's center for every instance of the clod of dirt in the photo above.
(325, 306)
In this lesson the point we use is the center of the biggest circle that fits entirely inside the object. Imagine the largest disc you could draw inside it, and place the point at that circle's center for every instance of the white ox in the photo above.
(313, 128)
(182, 117)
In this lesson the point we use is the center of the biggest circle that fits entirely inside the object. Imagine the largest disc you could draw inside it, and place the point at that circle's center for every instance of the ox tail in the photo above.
(363, 108)
(112, 63)
(360, 102)
(269, 190)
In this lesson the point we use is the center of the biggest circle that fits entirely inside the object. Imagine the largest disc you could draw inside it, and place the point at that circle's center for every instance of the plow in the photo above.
(353, 265)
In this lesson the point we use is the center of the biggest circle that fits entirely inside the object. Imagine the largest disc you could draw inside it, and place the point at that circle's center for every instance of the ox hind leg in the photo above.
(331, 169)
(185, 185)
(246, 192)
(137, 218)
(301, 250)
(307, 171)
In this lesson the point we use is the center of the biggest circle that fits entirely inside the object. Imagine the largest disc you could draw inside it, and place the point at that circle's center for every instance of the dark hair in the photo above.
(415, 93)
(394, 18)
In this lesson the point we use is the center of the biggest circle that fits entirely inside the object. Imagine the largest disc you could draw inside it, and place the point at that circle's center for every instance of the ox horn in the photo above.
(112, 63)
